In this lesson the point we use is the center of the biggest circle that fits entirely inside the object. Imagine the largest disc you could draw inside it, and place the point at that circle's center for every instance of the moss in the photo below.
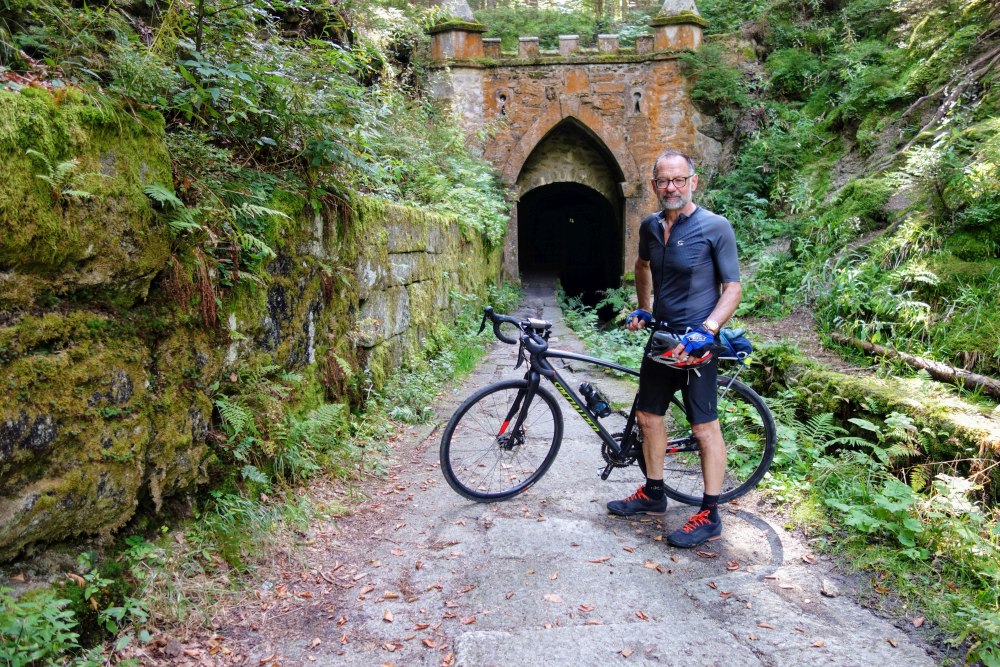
(682, 18)
(952, 429)
(71, 454)
(109, 245)
(457, 24)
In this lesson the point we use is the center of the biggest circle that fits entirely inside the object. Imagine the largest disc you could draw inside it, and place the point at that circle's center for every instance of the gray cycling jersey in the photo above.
(689, 271)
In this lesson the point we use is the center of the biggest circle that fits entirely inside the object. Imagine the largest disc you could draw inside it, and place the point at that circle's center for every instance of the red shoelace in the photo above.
(699, 519)
(638, 495)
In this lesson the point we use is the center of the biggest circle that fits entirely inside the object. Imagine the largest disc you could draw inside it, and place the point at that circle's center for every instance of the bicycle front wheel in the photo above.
(484, 457)
(750, 437)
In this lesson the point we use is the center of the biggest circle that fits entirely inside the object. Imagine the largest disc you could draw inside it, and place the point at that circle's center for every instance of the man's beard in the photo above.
(675, 204)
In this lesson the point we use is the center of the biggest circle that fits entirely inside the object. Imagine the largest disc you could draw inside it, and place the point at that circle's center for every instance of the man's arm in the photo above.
(724, 309)
(643, 291)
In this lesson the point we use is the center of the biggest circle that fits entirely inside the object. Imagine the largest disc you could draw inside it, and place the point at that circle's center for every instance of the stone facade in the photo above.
(631, 103)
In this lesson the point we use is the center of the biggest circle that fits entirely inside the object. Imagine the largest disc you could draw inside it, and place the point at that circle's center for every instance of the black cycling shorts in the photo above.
(657, 383)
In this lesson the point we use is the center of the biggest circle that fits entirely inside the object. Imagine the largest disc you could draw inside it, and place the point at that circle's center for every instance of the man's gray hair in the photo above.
(669, 153)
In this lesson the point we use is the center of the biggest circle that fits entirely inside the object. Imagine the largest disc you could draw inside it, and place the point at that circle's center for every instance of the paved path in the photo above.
(426, 577)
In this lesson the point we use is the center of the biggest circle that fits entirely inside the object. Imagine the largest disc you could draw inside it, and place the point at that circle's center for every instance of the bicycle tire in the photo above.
(482, 466)
(750, 436)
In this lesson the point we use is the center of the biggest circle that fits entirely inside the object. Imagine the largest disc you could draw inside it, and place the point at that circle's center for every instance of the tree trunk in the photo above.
(937, 370)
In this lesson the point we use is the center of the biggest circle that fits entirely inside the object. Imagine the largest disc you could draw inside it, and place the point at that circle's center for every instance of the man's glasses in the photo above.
(678, 182)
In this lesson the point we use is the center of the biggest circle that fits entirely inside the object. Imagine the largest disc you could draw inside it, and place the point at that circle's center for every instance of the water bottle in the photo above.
(596, 402)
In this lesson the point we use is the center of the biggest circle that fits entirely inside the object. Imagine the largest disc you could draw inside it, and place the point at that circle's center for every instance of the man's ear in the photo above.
(694, 182)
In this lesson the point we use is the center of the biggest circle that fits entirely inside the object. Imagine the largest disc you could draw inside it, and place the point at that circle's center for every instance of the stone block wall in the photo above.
(109, 383)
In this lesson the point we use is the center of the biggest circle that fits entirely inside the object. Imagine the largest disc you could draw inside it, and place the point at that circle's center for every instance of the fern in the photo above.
(236, 416)
(821, 429)
(163, 196)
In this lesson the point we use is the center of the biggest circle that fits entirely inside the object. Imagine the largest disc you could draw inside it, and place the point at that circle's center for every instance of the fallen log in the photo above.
(937, 370)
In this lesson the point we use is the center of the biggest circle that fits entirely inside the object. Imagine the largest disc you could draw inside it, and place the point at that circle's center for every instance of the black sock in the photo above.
(653, 489)
(711, 503)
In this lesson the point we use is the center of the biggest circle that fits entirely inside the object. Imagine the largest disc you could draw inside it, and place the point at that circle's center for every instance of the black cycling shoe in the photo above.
(698, 529)
(638, 503)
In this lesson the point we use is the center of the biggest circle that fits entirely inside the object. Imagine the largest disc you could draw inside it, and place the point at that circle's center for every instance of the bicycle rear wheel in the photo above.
(749, 433)
(483, 456)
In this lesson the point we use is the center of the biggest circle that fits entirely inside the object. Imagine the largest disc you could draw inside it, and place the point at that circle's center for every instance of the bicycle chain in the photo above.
(620, 462)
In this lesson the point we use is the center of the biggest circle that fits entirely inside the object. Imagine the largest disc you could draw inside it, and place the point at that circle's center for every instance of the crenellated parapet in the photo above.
(678, 27)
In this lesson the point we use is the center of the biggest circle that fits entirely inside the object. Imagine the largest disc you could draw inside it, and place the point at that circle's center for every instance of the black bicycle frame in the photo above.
(540, 367)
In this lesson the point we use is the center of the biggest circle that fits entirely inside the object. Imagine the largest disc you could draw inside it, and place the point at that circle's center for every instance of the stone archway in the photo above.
(570, 212)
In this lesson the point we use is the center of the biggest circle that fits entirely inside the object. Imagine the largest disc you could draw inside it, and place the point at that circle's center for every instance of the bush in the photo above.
(794, 73)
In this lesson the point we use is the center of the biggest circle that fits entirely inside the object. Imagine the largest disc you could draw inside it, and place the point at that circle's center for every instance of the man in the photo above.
(687, 259)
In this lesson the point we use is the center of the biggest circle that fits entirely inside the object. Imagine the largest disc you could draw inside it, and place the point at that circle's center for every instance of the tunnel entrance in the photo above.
(571, 231)
(570, 212)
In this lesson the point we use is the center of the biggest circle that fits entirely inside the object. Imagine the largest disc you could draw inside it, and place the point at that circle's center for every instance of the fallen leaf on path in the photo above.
(675, 559)
(819, 643)
(421, 626)
(808, 558)
(468, 620)
(508, 595)
(268, 658)
(641, 615)
(554, 576)
(798, 629)
(344, 639)
(586, 608)
(552, 597)
(707, 554)
(753, 637)
(305, 594)
(467, 588)
(658, 538)
(725, 595)
(602, 559)
(574, 544)
(918, 621)
(733, 565)
(593, 621)
(341, 621)
(418, 565)
(448, 660)
(389, 595)
(712, 585)
(387, 616)
(429, 643)
(631, 550)
(626, 652)
(315, 642)
(892, 643)
(397, 552)
(763, 624)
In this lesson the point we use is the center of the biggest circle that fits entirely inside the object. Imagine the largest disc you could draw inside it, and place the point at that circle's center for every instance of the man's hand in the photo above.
(697, 339)
(637, 319)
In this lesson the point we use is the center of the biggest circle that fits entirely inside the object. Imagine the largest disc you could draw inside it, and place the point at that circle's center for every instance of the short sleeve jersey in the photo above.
(689, 270)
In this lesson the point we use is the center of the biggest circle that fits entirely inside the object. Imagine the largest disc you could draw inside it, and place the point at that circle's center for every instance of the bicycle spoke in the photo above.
(480, 462)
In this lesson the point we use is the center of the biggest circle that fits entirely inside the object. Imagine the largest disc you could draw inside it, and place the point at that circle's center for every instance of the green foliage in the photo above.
(717, 82)
(38, 629)
(793, 73)
(509, 23)
(63, 178)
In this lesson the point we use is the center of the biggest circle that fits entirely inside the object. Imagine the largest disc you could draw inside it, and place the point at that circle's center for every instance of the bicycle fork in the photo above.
(508, 436)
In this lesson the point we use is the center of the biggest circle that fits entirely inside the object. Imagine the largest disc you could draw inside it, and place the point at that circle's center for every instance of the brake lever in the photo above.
(482, 325)
(520, 356)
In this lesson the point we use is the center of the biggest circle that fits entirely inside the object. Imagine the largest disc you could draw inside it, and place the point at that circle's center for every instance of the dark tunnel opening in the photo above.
(571, 231)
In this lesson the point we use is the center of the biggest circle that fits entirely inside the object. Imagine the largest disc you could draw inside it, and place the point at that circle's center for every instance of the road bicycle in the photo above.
(505, 436)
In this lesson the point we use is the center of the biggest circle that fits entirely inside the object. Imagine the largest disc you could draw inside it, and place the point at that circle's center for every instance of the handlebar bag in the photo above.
(735, 340)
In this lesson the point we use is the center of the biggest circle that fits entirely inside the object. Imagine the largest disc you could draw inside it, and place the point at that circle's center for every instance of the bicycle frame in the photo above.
(541, 367)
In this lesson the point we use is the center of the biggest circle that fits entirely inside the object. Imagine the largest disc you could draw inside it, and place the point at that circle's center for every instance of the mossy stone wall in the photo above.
(109, 382)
